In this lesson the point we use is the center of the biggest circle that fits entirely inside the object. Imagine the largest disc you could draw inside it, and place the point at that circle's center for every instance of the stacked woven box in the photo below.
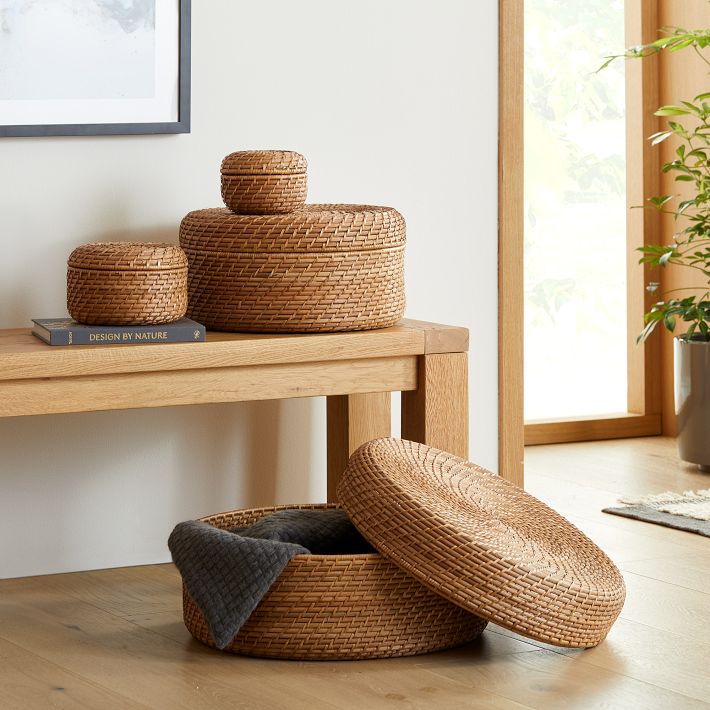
(270, 263)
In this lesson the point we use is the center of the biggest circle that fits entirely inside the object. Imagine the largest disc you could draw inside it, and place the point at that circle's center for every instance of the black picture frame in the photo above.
(182, 125)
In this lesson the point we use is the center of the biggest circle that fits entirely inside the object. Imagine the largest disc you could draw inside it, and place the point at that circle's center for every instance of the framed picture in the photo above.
(94, 67)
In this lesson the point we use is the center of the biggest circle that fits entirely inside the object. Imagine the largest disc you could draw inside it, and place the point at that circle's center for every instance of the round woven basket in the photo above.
(323, 268)
(482, 542)
(124, 283)
(339, 607)
(264, 181)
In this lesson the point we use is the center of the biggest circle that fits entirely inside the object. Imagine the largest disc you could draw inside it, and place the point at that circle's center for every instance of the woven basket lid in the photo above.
(313, 228)
(258, 162)
(128, 256)
(482, 542)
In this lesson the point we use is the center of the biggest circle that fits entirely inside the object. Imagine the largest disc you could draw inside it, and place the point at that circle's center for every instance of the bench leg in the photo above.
(436, 413)
(354, 419)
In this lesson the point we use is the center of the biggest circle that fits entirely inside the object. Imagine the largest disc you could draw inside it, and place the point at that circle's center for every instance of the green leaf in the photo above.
(678, 129)
(660, 200)
(657, 138)
(671, 111)
(680, 45)
(683, 206)
(608, 61)
(643, 335)
(692, 107)
(661, 43)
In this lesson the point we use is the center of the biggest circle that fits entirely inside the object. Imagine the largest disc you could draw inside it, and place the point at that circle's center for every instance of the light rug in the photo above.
(688, 511)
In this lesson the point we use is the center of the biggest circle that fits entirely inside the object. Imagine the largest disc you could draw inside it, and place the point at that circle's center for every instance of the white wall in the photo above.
(393, 102)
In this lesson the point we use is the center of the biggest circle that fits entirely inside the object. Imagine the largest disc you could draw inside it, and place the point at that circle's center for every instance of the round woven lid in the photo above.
(128, 256)
(482, 542)
(310, 229)
(257, 162)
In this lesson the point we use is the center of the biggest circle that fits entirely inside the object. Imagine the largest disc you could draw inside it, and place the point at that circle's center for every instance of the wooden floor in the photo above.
(114, 638)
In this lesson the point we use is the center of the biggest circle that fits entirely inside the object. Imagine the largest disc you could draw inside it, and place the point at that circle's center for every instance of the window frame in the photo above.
(643, 417)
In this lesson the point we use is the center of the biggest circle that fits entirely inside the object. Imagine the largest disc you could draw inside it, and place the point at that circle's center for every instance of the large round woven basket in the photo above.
(339, 607)
(323, 268)
(124, 283)
(482, 542)
(264, 181)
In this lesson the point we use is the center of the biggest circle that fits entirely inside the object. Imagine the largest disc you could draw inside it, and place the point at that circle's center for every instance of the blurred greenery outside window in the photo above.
(575, 210)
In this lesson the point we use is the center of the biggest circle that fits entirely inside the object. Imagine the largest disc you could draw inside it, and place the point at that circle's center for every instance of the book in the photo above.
(65, 331)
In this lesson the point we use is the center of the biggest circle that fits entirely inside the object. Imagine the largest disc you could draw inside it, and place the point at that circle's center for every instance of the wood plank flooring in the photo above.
(114, 638)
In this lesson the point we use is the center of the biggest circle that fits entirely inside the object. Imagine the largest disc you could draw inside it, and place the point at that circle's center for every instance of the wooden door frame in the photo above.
(644, 415)
(510, 240)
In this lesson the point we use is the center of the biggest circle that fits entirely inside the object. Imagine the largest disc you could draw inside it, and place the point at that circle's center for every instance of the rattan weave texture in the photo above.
(257, 162)
(124, 283)
(264, 194)
(324, 268)
(315, 228)
(340, 607)
(264, 181)
(482, 542)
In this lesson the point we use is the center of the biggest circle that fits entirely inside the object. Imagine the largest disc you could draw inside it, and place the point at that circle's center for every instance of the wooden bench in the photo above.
(427, 362)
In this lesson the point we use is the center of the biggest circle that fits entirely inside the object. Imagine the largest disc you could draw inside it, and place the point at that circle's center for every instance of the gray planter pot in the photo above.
(692, 401)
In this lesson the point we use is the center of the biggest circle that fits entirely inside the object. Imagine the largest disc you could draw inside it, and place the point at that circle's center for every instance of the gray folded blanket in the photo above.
(228, 572)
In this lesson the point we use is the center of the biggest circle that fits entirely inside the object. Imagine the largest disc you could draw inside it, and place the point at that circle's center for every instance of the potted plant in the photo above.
(688, 124)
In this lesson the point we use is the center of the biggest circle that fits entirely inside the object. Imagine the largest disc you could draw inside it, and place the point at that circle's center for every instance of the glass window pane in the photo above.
(575, 204)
